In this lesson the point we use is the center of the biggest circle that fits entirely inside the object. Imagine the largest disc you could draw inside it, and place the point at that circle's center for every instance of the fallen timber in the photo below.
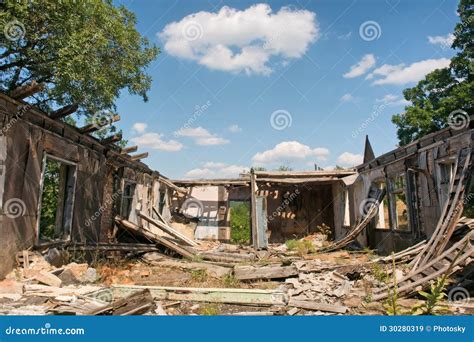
(452, 210)
(371, 212)
(452, 260)
(211, 295)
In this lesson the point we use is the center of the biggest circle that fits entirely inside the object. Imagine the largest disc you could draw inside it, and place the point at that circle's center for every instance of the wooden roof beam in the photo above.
(130, 149)
(92, 127)
(27, 90)
(139, 156)
(63, 112)
(112, 139)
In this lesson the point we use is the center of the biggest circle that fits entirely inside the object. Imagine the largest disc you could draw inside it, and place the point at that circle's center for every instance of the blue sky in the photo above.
(278, 83)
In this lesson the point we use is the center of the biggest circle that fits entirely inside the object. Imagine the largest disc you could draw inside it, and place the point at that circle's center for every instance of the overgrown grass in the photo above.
(199, 275)
(210, 310)
(229, 280)
(302, 247)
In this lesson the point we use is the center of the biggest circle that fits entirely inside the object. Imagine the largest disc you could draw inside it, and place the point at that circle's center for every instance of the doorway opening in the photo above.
(240, 232)
(56, 200)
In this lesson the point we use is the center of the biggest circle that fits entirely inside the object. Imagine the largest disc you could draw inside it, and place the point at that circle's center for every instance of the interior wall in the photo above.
(307, 207)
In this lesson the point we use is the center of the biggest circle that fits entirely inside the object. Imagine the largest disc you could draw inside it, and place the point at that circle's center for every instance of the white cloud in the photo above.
(217, 170)
(393, 100)
(444, 41)
(139, 127)
(347, 98)
(214, 165)
(350, 159)
(241, 40)
(155, 141)
(201, 136)
(401, 74)
(364, 65)
(287, 151)
(235, 128)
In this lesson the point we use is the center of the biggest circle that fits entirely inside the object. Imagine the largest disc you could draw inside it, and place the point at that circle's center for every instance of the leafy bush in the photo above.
(240, 222)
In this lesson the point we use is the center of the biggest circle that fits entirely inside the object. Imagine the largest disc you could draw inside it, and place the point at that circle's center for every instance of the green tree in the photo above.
(84, 52)
(443, 90)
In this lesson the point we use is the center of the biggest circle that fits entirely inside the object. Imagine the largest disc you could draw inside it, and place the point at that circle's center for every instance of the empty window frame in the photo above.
(56, 202)
(445, 170)
(398, 203)
(383, 220)
(128, 193)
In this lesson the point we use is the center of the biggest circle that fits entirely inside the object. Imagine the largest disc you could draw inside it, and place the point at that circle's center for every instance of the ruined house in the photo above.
(92, 181)
(415, 181)
(106, 198)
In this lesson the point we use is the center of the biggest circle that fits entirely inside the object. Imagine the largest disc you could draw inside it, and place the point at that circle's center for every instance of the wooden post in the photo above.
(253, 208)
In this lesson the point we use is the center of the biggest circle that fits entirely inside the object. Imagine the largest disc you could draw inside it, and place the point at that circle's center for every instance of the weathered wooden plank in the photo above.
(63, 112)
(139, 156)
(312, 305)
(129, 149)
(153, 237)
(265, 272)
(211, 295)
(137, 303)
(26, 90)
(167, 229)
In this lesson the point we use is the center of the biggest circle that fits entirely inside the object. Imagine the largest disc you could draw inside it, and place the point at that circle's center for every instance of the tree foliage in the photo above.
(85, 52)
(443, 91)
